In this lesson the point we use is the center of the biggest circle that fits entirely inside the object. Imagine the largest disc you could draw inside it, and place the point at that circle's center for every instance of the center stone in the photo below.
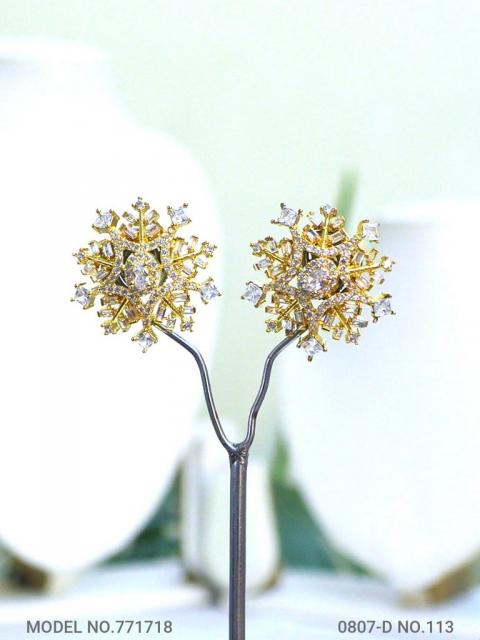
(319, 277)
(142, 272)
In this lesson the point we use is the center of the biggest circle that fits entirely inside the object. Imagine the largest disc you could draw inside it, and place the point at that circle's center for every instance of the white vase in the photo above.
(92, 428)
(384, 436)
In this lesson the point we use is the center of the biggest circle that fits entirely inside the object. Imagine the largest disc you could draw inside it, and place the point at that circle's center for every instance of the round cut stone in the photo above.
(319, 277)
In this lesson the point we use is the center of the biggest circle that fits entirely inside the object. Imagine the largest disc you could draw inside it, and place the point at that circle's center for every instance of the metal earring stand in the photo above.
(238, 456)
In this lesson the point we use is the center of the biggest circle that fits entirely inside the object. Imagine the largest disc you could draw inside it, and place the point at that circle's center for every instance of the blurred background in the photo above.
(364, 480)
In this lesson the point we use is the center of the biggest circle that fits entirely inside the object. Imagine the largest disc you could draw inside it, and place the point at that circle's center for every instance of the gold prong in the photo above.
(370, 267)
(194, 254)
(120, 309)
(274, 256)
(172, 307)
(106, 263)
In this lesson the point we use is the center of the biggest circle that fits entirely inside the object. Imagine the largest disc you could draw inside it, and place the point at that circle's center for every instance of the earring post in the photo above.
(238, 457)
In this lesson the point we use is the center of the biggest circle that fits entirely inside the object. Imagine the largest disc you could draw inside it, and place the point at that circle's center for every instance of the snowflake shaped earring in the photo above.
(143, 272)
(319, 278)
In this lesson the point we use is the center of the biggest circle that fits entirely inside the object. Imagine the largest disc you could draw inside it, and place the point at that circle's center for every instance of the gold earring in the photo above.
(319, 278)
(143, 272)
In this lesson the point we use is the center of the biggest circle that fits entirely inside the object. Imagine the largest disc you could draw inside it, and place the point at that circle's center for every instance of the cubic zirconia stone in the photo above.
(145, 341)
(336, 237)
(382, 308)
(363, 280)
(319, 277)
(102, 273)
(129, 217)
(179, 216)
(107, 250)
(253, 292)
(352, 338)
(288, 217)
(131, 231)
(371, 231)
(264, 263)
(311, 235)
(200, 261)
(209, 291)
(82, 295)
(379, 277)
(140, 280)
(328, 208)
(337, 333)
(140, 204)
(360, 322)
(387, 264)
(316, 218)
(169, 323)
(209, 249)
(104, 219)
(141, 271)
(312, 347)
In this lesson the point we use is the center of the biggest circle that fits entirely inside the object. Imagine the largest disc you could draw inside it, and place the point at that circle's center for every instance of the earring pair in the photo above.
(318, 279)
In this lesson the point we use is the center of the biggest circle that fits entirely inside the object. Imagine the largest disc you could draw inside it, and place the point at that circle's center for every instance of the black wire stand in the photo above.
(238, 456)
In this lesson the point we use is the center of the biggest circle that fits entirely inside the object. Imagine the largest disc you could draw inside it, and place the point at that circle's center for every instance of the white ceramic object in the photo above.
(384, 437)
(92, 428)
(205, 508)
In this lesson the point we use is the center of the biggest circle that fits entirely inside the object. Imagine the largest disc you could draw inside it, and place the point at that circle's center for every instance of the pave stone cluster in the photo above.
(319, 279)
(143, 272)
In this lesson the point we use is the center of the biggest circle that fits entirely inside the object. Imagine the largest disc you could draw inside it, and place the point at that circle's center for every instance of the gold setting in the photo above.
(144, 272)
(319, 278)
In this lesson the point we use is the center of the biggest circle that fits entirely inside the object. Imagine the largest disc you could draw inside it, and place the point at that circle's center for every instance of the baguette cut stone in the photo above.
(360, 322)
(107, 250)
